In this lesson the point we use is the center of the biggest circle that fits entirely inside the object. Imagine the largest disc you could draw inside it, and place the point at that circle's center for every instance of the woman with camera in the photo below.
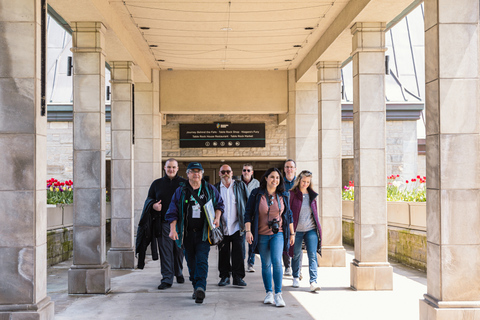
(307, 227)
(269, 228)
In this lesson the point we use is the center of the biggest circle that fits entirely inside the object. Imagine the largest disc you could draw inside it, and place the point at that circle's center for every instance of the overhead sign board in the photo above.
(222, 135)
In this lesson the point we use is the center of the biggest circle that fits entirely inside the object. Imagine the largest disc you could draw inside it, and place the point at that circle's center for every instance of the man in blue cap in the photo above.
(189, 226)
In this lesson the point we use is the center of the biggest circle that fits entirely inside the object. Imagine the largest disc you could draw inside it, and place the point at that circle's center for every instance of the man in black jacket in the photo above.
(171, 256)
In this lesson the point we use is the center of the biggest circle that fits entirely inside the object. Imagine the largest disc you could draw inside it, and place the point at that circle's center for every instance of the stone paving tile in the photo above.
(134, 295)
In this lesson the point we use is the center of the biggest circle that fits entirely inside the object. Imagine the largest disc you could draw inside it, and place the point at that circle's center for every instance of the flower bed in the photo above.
(59, 192)
(413, 190)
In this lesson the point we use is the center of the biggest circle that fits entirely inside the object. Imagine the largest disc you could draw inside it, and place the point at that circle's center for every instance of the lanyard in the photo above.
(192, 198)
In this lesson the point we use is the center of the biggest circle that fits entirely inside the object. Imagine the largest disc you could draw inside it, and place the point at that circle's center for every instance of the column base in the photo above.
(371, 276)
(332, 256)
(121, 258)
(89, 279)
(432, 309)
(44, 310)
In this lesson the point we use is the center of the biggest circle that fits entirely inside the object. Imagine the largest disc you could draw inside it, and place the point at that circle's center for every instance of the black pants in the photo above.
(232, 248)
(171, 256)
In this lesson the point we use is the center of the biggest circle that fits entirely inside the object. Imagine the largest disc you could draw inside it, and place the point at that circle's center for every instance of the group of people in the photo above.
(273, 215)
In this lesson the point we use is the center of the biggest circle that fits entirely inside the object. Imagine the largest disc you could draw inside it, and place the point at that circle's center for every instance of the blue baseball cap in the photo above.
(194, 165)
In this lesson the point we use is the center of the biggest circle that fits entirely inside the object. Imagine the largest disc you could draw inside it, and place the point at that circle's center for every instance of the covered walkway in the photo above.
(135, 295)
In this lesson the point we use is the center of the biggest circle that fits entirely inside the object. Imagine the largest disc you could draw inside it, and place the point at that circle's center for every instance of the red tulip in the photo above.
(406, 181)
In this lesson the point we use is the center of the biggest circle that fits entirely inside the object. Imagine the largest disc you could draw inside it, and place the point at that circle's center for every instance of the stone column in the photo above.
(330, 163)
(23, 170)
(148, 147)
(122, 253)
(302, 125)
(452, 52)
(90, 272)
(370, 269)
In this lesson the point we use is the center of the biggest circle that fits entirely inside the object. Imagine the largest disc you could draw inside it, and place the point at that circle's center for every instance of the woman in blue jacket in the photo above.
(269, 229)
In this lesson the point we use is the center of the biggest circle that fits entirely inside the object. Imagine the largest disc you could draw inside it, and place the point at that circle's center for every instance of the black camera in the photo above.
(274, 225)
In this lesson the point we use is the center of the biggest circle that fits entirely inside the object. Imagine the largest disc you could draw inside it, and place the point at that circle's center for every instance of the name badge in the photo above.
(196, 211)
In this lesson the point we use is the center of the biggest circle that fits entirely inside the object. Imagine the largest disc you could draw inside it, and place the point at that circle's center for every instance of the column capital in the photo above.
(368, 36)
(122, 71)
(329, 71)
(88, 37)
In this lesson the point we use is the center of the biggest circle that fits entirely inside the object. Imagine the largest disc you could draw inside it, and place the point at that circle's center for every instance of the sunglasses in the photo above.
(247, 170)
(225, 171)
(305, 173)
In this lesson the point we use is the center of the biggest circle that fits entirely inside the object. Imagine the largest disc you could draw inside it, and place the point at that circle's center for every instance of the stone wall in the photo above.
(401, 147)
(60, 149)
(409, 247)
(275, 136)
(60, 244)
(401, 143)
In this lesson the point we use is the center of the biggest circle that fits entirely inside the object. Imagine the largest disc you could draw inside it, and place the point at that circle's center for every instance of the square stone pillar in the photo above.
(122, 253)
(302, 125)
(452, 52)
(148, 143)
(330, 163)
(23, 170)
(90, 272)
(370, 269)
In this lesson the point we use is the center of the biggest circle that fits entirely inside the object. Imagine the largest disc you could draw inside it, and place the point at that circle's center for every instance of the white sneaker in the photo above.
(288, 271)
(296, 283)
(314, 286)
(279, 300)
(269, 298)
(250, 268)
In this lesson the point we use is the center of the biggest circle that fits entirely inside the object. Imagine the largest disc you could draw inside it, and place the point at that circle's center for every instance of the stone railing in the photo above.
(410, 215)
(61, 215)
(60, 232)
(407, 237)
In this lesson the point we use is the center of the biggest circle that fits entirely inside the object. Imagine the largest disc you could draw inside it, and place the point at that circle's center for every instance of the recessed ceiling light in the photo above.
(153, 46)
(145, 28)
(309, 28)
(160, 60)
(288, 60)
(275, 69)
(170, 69)
(224, 60)
(297, 46)
(226, 29)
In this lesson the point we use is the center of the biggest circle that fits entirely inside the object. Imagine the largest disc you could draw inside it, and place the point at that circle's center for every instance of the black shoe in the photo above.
(164, 285)
(180, 279)
(239, 282)
(199, 295)
(224, 281)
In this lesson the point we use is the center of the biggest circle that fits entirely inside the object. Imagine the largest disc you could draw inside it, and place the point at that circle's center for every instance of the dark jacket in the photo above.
(240, 192)
(177, 209)
(146, 234)
(163, 189)
(296, 199)
(251, 215)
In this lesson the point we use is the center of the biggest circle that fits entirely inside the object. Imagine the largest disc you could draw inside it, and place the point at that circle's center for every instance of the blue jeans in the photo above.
(196, 254)
(311, 242)
(271, 248)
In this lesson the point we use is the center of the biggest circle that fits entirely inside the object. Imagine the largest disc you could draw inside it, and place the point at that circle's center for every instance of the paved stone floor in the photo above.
(134, 295)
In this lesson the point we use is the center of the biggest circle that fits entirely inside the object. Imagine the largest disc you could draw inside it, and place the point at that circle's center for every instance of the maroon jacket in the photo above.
(296, 199)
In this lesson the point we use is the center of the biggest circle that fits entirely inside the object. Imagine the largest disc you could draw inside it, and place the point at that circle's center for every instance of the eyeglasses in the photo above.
(289, 167)
(225, 171)
(247, 170)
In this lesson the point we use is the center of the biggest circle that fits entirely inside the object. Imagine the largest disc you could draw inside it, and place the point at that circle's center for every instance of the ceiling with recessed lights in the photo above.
(230, 34)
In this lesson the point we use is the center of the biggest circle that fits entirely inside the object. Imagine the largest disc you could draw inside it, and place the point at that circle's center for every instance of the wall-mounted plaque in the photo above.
(222, 135)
